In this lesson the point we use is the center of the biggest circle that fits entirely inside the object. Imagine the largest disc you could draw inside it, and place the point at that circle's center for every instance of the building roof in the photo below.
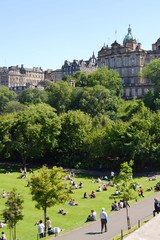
(129, 36)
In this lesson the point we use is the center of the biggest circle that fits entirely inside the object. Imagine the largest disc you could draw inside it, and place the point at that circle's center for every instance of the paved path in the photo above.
(117, 222)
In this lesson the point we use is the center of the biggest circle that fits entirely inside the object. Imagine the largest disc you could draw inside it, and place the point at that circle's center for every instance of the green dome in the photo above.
(129, 36)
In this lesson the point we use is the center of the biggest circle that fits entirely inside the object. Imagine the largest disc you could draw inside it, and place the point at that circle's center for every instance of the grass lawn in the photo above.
(76, 215)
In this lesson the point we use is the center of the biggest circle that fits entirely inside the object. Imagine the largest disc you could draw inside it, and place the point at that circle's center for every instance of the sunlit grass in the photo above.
(76, 215)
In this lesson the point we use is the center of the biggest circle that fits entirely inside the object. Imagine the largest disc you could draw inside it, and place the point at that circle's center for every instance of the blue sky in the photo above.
(45, 33)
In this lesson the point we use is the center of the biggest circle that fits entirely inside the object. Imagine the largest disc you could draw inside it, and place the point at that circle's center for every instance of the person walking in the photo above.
(156, 206)
(104, 220)
(141, 192)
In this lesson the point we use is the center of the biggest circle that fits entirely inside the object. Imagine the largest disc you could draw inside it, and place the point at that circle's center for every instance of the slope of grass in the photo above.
(76, 215)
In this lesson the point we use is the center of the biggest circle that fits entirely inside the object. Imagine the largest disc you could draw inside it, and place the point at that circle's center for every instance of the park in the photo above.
(75, 216)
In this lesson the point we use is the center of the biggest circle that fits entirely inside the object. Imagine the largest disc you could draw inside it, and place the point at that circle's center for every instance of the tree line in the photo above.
(89, 126)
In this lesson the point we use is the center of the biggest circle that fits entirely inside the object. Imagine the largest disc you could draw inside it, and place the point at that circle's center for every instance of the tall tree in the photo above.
(75, 130)
(48, 188)
(13, 212)
(125, 186)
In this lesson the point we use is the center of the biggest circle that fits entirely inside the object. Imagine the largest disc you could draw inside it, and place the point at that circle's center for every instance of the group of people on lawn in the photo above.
(50, 230)
(93, 215)
(91, 195)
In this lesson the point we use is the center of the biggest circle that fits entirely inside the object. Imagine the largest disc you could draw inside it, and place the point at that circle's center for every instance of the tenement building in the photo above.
(128, 60)
(17, 78)
(69, 68)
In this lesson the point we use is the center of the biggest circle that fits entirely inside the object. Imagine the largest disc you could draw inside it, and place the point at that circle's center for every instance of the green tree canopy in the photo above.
(76, 127)
(48, 188)
(98, 100)
(59, 96)
(30, 133)
(152, 72)
(108, 78)
(13, 106)
(125, 181)
(6, 96)
(32, 95)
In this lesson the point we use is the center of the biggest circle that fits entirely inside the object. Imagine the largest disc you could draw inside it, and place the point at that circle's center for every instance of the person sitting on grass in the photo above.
(92, 195)
(105, 188)
(120, 204)
(114, 206)
(85, 195)
(2, 224)
(72, 202)
(99, 189)
(55, 230)
(92, 216)
(117, 192)
(93, 180)
(61, 211)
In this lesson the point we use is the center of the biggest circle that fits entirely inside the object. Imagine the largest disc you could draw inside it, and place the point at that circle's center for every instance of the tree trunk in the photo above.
(128, 219)
(14, 229)
(45, 215)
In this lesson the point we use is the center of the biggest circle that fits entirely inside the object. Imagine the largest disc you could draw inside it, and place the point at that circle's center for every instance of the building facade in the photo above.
(53, 75)
(69, 68)
(17, 78)
(128, 60)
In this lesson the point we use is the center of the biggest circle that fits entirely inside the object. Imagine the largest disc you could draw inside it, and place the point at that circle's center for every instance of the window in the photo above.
(139, 92)
(123, 61)
(133, 92)
(115, 62)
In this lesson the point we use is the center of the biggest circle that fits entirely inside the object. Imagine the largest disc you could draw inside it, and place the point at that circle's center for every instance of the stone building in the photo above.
(17, 78)
(69, 68)
(53, 75)
(128, 60)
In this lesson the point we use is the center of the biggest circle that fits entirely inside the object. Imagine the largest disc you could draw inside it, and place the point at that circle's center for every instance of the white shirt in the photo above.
(41, 228)
(103, 215)
(4, 237)
(94, 214)
(56, 230)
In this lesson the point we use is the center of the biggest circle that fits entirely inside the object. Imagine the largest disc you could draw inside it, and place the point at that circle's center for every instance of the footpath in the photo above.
(117, 222)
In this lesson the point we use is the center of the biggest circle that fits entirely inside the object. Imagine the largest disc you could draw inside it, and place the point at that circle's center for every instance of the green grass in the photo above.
(76, 215)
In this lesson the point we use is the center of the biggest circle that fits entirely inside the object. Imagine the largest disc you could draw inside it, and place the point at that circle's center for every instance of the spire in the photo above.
(93, 58)
(129, 30)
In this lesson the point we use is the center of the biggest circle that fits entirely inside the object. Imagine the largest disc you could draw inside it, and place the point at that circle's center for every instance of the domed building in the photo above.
(128, 60)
